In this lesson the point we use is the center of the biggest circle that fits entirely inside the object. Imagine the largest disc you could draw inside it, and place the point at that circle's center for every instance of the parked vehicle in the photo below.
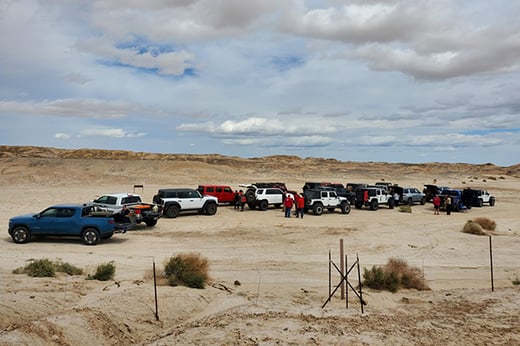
(432, 190)
(179, 200)
(268, 196)
(224, 193)
(63, 220)
(139, 210)
(373, 197)
(457, 203)
(477, 198)
(409, 195)
(340, 189)
(319, 199)
(250, 191)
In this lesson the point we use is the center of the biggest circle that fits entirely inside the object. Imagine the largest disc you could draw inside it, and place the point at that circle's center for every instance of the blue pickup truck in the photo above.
(75, 220)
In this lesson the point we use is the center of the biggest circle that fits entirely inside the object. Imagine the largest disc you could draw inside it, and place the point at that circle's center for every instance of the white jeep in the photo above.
(373, 197)
(319, 199)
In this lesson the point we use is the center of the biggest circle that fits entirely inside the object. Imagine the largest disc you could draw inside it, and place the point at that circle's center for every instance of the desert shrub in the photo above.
(516, 281)
(394, 275)
(68, 268)
(47, 268)
(486, 223)
(190, 270)
(104, 272)
(473, 227)
(40, 268)
(405, 209)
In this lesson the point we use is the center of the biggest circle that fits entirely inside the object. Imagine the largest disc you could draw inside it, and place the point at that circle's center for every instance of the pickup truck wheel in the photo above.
(317, 209)
(211, 209)
(263, 205)
(374, 205)
(345, 208)
(90, 236)
(21, 235)
(491, 202)
(151, 223)
(172, 211)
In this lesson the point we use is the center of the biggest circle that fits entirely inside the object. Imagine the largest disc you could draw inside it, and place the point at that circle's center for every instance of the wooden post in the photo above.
(491, 265)
(342, 267)
(360, 290)
(330, 274)
(155, 291)
(346, 292)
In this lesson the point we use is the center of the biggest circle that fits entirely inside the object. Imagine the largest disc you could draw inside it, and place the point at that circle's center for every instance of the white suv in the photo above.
(268, 196)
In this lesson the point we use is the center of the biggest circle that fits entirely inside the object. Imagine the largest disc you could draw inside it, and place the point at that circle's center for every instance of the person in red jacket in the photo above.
(300, 205)
(288, 204)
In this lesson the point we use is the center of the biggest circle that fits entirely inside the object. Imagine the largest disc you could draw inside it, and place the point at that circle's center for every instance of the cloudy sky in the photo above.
(358, 80)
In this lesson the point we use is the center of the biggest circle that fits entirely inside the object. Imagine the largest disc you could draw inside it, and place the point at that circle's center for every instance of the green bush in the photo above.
(473, 227)
(190, 270)
(68, 268)
(405, 209)
(104, 272)
(40, 268)
(394, 275)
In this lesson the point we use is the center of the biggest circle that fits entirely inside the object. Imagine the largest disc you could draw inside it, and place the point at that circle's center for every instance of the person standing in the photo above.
(436, 204)
(237, 200)
(447, 203)
(300, 205)
(288, 204)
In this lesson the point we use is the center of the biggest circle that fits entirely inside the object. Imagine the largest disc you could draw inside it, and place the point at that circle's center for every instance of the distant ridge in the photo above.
(277, 162)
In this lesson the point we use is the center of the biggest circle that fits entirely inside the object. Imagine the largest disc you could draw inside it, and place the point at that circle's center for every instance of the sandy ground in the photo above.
(281, 264)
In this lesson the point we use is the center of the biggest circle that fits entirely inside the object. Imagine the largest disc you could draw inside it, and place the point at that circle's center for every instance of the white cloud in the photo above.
(62, 135)
(106, 132)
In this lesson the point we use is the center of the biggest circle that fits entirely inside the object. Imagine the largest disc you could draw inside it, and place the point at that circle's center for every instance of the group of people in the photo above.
(240, 200)
(437, 204)
(294, 200)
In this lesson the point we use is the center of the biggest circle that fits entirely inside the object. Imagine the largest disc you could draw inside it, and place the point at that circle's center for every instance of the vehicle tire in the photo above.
(250, 196)
(480, 203)
(374, 205)
(90, 236)
(172, 211)
(317, 209)
(391, 203)
(491, 202)
(331, 210)
(210, 209)
(263, 205)
(423, 200)
(21, 234)
(409, 201)
(359, 205)
(151, 223)
(345, 208)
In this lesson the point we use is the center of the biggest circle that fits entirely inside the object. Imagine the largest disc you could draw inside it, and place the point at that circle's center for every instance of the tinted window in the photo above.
(131, 199)
(51, 212)
(210, 189)
(219, 189)
(65, 212)
(227, 189)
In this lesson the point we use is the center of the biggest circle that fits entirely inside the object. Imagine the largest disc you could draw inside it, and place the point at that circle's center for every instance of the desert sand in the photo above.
(269, 274)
